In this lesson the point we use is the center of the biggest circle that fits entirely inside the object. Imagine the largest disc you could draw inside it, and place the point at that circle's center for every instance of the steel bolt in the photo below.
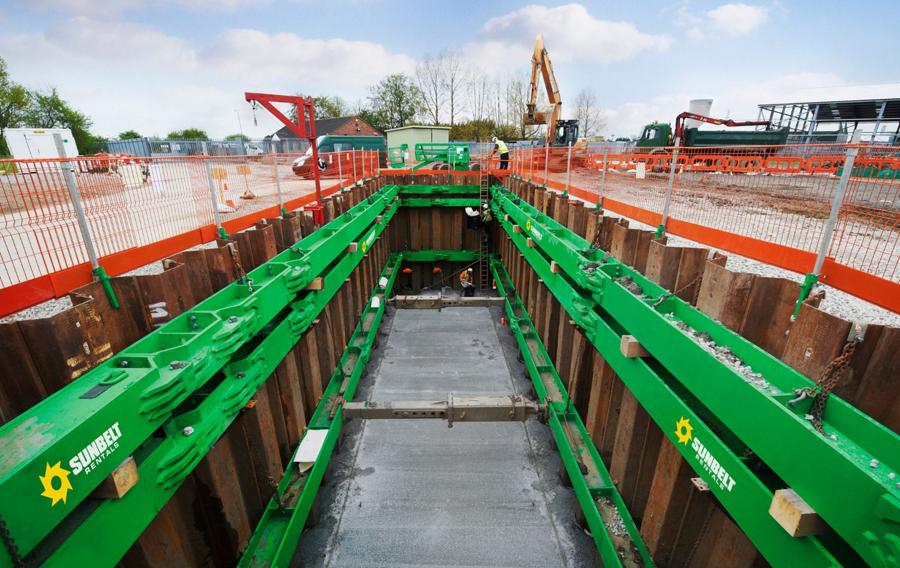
(241, 375)
(123, 363)
(188, 430)
(892, 475)
(232, 319)
(873, 464)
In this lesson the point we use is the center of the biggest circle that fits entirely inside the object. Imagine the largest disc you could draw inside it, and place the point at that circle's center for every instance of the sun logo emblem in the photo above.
(56, 483)
(364, 246)
(683, 430)
(528, 225)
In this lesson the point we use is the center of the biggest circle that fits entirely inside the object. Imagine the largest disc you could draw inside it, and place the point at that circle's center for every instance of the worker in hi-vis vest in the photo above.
(466, 280)
(500, 147)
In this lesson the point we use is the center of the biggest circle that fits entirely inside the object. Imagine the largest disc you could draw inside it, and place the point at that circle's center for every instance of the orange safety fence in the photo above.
(767, 203)
(141, 210)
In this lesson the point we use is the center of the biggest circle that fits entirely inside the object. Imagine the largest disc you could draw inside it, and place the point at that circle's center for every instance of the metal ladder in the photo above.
(484, 278)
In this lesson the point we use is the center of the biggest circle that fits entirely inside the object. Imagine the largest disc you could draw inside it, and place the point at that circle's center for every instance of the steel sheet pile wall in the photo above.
(211, 517)
(681, 523)
(432, 228)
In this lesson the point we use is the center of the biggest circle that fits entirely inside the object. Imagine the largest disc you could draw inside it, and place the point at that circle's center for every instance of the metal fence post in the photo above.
(86, 235)
(661, 230)
(546, 161)
(353, 156)
(340, 172)
(837, 201)
(278, 185)
(603, 179)
(215, 202)
(568, 168)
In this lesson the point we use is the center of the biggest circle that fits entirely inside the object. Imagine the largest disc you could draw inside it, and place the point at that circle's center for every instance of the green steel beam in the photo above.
(594, 488)
(749, 400)
(276, 536)
(53, 456)
(438, 190)
(440, 202)
(441, 256)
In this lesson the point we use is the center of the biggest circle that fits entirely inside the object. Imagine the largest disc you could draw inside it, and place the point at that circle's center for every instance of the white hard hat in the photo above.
(493, 138)
(470, 270)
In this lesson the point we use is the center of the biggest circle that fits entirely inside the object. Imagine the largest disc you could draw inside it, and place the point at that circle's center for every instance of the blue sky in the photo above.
(158, 65)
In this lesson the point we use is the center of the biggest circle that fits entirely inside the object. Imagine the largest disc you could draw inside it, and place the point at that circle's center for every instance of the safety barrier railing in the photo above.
(62, 219)
(790, 206)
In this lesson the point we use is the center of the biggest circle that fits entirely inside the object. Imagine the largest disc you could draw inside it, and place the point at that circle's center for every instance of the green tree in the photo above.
(329, 107)
(14, 101)
(394, 102)
(232, 137)
(188, 134)
(48, 110)
(482, 131)
(129, 135)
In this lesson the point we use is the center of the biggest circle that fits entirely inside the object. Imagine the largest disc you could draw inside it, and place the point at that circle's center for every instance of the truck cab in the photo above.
(655, 135)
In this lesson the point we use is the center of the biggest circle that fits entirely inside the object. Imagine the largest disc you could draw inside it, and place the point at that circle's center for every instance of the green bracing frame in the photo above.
(439, 190)
(162, 384)
(733, 411)
(276, 536)
(600, 502)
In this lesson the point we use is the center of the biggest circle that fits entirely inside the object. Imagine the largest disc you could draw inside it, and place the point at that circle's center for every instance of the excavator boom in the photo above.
(540, 63)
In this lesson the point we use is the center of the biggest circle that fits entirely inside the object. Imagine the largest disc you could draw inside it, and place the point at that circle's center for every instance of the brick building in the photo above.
(342, 125)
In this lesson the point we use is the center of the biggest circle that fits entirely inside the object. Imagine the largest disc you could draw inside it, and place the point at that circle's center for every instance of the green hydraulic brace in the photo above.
(864, 512)
(749, 505)
(107, 533)
(276, 536)
(441, 256)
(440, 202)
(437, 190)
(112, 410)
(597, 496)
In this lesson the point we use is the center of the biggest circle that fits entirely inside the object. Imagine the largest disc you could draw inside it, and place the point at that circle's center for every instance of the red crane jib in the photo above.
(679, 122)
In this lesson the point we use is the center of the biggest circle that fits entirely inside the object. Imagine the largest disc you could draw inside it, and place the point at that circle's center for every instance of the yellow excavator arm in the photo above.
(540, 62)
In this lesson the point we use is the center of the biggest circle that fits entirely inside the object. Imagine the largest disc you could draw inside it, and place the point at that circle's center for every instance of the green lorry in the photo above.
(660, 135)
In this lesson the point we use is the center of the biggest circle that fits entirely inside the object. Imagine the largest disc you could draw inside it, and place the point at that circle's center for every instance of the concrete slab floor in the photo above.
(417, 493)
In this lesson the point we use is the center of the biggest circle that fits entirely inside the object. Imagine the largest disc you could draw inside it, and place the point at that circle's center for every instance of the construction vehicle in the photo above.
(660, 135)
(559, 132)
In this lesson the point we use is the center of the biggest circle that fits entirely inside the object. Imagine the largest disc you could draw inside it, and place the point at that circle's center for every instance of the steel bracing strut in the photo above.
(730, 420)
(165, 400)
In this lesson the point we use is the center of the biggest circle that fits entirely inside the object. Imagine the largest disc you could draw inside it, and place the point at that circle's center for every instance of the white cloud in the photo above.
(127, 75)
(571, 33)
(257, 55)
(726, 20)
(737, 19)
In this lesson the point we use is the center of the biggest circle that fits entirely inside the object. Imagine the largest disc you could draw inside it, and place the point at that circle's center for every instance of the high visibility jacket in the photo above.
(501, 147)
(465, 278)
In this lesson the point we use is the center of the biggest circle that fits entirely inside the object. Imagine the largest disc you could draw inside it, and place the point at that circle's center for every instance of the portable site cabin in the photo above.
(412, 135)
(39, 143)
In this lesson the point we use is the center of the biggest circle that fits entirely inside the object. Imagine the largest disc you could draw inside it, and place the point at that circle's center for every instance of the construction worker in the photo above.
(466, 280)
(500, 146)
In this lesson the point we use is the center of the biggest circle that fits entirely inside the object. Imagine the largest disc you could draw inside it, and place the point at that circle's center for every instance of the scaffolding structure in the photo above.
(836, 121)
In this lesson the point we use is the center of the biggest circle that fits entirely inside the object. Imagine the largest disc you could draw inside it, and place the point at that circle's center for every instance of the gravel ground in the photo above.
(836, 302)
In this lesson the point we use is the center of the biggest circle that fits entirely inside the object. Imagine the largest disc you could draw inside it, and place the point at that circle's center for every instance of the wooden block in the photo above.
(317, 284)
(631, 348)
(795, 515)
(119, 482)
(517, 229)
(353, 247)
(554, 267)
(378, 219)
(530, 243)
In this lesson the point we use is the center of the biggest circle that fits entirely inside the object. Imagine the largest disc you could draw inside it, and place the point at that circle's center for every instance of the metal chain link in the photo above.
(667, 295)
(10, 543)
(826, 384)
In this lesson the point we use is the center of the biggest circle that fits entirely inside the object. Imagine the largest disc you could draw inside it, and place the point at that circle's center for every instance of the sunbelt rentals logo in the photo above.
(720, 476)
(55, 481)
